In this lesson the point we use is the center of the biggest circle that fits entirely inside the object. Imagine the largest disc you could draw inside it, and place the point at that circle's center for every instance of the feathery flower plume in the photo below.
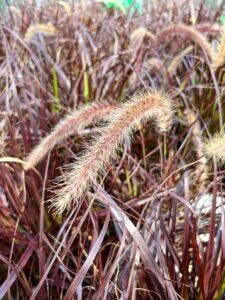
(209, 27)
(201, 171)
(84, 171)
(73, 123)
(141, 32)
(66, 6)
(215, 147)
(219, 56)
(190, 32)
(47, 29)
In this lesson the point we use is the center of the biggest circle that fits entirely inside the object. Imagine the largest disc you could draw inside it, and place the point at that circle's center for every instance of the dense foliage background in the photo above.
(167, 198)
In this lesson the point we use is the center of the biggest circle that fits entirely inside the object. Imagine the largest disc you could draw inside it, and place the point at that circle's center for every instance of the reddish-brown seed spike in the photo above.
(219, 56)
(84, 171)
(73, 123)
(46, 29)
(215, 147)
(190, 32)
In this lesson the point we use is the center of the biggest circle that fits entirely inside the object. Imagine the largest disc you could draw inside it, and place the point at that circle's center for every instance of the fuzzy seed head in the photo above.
(219, 56)
(215, 147)
(140, 33)
(73, 123)
(189, 32)
(46, 29)
(122, 123)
